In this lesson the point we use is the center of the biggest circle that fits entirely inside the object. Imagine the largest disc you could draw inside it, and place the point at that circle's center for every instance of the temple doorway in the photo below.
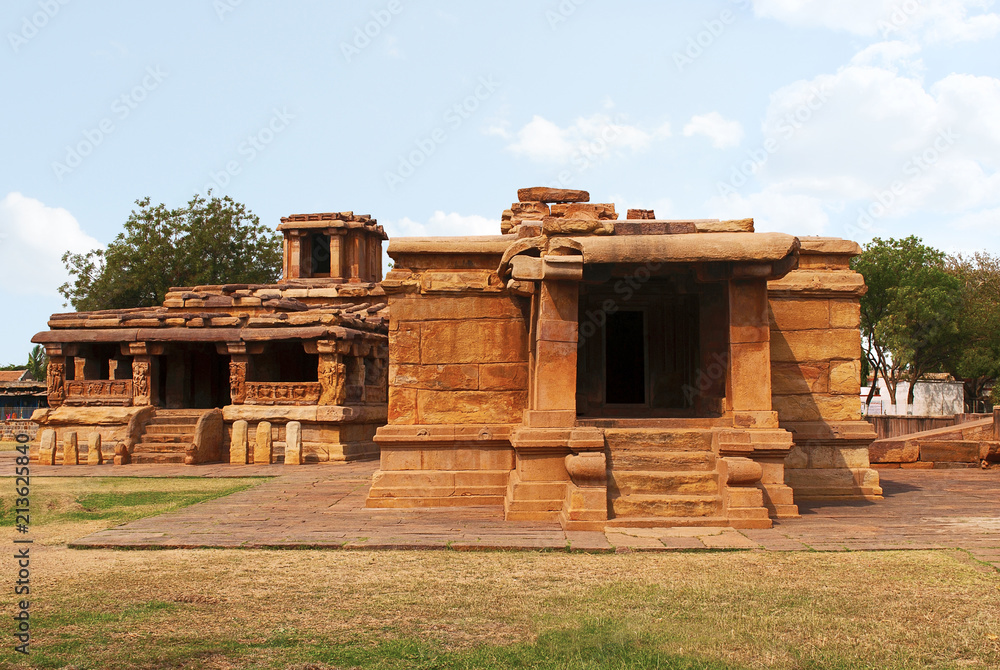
(642, 350)
(193, 376)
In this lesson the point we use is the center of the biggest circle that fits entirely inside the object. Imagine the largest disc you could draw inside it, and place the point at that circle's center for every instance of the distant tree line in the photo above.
(928, 312)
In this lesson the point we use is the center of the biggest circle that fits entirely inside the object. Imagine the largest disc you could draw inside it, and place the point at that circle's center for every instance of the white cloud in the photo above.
(773, 210)
(33, 238)
(722, 132)
(869, 137)
(441, 225)
(929, 20)
(543, 141)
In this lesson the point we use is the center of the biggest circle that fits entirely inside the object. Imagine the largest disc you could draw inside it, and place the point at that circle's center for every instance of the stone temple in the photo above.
(575, 367)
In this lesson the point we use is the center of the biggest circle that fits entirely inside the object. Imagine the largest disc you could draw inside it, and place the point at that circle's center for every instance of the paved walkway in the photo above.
(322, 506)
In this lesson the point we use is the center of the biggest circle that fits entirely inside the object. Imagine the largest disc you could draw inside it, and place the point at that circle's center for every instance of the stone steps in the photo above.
(662, 461)
(662, 476)
(667, 506)
(638, 482)
(157, 459)
(167, 436)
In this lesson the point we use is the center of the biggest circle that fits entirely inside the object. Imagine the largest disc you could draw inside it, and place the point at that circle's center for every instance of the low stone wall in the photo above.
(9, 430)
(890, 425)
(967, 444)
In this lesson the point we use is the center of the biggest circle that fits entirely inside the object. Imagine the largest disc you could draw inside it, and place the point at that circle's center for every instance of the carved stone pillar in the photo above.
(332, 379)
(238, 379)
(56, 381)
(141, 381)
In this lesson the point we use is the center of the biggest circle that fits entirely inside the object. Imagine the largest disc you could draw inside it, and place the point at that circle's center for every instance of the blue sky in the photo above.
(855, 118)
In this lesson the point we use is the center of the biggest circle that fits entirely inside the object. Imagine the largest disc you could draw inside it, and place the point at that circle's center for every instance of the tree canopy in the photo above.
(208, 241)
(926, 312)
(976, 360)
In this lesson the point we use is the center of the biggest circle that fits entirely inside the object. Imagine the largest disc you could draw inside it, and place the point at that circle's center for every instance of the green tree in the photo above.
(909, 314)
(38, 363)
(209, 241)
(976, 357)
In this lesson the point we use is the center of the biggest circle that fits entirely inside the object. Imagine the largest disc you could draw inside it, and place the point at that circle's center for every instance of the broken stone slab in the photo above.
(551, 226)
(640, 214)
(548, 195)
(735, 226)
(575, 210)
(238, 453)
(263, 447)
(94, 455)
(293, 443)
(47, 447)
(71, 451)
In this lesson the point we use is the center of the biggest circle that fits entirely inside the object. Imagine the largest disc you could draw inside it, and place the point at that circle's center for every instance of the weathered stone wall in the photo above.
(457, 360)
(815, 372)
(9, 430)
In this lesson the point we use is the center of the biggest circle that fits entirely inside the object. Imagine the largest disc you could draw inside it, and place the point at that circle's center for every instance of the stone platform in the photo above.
(323, 506)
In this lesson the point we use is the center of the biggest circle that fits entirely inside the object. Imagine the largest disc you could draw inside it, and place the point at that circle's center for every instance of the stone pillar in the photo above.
(293, 443)
(996, 423)
(293, 257)
(238, 379)
(56, 381)
(71, 451)
(142, 372)
(553, 377)
(353, 256)
(749, 347)
(263, 447)
(332, 371)
(336, 254)
(47, 446)
(94, 455)
(238, 447)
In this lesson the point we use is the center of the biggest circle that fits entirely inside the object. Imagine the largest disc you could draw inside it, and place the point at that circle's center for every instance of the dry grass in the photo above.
(274, 609)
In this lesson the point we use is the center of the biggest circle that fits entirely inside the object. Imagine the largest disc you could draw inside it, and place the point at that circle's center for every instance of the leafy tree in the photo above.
(212, 241)
(909, 314)
(38, 363)
(976, 358)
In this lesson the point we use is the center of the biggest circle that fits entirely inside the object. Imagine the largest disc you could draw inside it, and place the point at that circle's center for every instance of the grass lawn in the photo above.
(442, 609)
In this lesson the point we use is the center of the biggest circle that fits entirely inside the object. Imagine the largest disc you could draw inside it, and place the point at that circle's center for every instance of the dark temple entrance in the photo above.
(642, 348)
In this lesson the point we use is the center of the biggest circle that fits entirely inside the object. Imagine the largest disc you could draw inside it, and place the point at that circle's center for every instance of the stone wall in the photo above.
(457, 360)
(9, 430)
(815, 373)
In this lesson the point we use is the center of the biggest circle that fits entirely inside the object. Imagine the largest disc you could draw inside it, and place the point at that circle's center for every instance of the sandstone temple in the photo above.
(574, 367)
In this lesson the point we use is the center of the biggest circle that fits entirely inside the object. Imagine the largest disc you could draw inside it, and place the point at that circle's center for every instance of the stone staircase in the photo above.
(662, 477)
(167, 436)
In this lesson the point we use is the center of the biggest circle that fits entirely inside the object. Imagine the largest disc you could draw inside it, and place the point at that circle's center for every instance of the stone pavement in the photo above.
(323, 506)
